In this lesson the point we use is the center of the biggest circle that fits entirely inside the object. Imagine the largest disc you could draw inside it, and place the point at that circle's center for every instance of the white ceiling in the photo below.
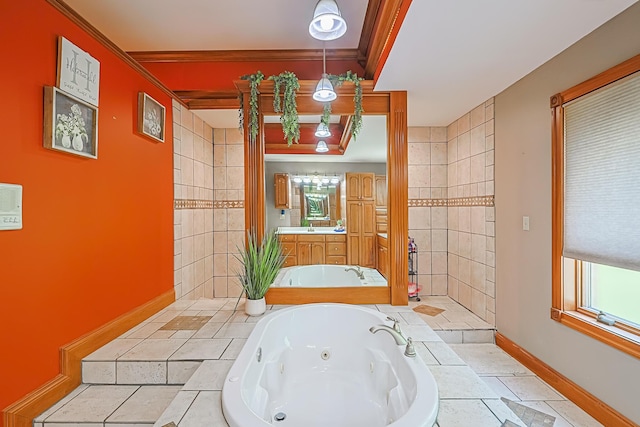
(450, 55)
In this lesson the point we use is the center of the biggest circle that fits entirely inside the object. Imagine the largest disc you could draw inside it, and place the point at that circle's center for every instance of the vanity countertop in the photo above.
(306, 230)
(383, 235)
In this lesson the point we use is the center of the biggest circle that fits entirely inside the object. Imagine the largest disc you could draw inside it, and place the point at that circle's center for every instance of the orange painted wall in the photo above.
(98, 234)
(218, 76)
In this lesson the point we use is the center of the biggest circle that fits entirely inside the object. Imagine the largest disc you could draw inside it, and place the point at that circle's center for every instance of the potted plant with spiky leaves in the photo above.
(261, 262)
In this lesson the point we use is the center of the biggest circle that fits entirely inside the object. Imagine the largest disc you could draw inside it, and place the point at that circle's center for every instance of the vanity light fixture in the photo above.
(322, 147)
(325, 180)
(324, 89)
(297, 179)
(322, 131)
(306, 180)
(327, 22)
(335, 180)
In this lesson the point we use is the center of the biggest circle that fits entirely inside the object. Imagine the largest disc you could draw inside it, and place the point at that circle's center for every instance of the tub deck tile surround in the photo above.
(185, 373)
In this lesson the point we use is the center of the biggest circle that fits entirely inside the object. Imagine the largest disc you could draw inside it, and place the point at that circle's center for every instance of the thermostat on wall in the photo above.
(10, 207)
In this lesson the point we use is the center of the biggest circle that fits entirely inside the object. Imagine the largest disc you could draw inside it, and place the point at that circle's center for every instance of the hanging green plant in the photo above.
(254, 82)
(326, 114)
(288, 106)
(352, 77)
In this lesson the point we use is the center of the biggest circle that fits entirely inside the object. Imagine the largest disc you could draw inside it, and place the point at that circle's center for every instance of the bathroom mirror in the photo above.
(392, 106)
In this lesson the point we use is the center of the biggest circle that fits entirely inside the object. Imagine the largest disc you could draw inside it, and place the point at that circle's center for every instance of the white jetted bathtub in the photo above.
(328, 276)
(318, 365)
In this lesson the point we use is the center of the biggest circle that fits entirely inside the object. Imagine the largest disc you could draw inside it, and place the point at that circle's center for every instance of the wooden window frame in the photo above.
(566, 284)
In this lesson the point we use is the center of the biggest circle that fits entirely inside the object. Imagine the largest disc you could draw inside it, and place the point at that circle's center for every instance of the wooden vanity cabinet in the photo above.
(382, 261)
(288, 243)
(282, 186)
(311, 249)
(336, 249)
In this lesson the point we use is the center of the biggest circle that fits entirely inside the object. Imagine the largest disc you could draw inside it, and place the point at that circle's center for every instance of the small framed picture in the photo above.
(70, 124)
(151, 115)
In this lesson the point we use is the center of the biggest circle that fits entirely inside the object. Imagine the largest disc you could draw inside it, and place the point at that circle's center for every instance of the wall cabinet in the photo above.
(282, 191)
(311, 249)
(382, 261)
(360, 186)
(381, 204)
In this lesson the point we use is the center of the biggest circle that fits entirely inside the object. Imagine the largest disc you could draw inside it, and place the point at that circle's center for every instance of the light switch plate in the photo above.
(525, 223)
(10, 207)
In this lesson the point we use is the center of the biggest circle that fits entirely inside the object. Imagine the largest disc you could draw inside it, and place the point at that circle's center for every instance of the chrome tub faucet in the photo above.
(356, 269)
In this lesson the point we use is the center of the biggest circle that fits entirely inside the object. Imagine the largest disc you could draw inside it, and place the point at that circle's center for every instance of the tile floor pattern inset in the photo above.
(197, 365)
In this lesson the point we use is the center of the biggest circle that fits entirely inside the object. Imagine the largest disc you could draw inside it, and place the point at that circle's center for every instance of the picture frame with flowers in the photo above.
(70, 124)
(151, 117)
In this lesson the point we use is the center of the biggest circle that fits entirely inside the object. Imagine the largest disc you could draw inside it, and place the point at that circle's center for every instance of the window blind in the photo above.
(602, 175)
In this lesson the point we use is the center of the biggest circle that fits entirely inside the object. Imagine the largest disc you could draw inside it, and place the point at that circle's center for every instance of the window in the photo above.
(596, 207)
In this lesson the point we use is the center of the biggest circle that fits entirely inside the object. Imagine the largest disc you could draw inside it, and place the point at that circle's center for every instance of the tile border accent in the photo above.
(192, 204)
(225, 204)
(454, 201)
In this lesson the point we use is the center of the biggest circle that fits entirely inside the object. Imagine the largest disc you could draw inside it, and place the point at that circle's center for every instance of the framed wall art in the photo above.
(151, 117)
(78, 72)
(70, 124)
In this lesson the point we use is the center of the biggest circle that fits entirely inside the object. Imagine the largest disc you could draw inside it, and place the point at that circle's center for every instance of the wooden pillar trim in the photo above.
(398, 226)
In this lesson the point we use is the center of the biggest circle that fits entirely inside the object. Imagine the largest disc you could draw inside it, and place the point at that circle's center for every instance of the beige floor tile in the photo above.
(530, 388)
(145, 405)
(425, 354)
(235, 330)
(420, 333)
(206, 410)
(94, 404)
(572, 413)
(221, 316)
(144, 331)
(234, 348)
(113, 350)
(201, 349)
(179, 372)
(209, 376)
(61, 402)
(460, 382)
(153, 349)
(466, 413)
(178, 407)
(208, 304)
(443, 354)
(208, 330)
(503, 412)
(499, 388)
(489, 359)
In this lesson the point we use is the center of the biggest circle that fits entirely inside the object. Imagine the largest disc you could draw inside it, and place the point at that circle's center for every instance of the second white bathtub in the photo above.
(327, 276)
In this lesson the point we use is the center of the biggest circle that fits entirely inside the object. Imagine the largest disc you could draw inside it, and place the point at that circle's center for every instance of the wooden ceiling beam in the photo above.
(246, 55)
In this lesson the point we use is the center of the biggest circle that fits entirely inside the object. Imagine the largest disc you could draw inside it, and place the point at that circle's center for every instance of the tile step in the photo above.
(467, 336)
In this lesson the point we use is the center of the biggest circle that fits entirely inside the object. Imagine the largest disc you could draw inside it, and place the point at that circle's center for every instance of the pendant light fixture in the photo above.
(322, 147)
(322, 131)
(324, 89)
(327, 22)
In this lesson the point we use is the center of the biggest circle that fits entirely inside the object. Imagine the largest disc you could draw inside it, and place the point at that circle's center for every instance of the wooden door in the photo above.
(282, 191)
(367, 251)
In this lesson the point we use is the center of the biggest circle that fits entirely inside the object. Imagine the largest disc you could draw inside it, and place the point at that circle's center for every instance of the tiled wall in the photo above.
(228, 209)
(471, 215)
(193, 205)
(427, 158)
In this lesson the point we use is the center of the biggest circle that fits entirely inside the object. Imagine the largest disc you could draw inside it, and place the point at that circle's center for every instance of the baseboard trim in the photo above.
(581, 397)
(22, 412)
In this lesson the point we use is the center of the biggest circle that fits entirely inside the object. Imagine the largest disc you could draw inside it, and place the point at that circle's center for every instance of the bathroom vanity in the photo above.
(309, 245)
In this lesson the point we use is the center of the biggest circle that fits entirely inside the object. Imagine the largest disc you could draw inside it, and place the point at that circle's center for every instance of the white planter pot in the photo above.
(255, 307)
